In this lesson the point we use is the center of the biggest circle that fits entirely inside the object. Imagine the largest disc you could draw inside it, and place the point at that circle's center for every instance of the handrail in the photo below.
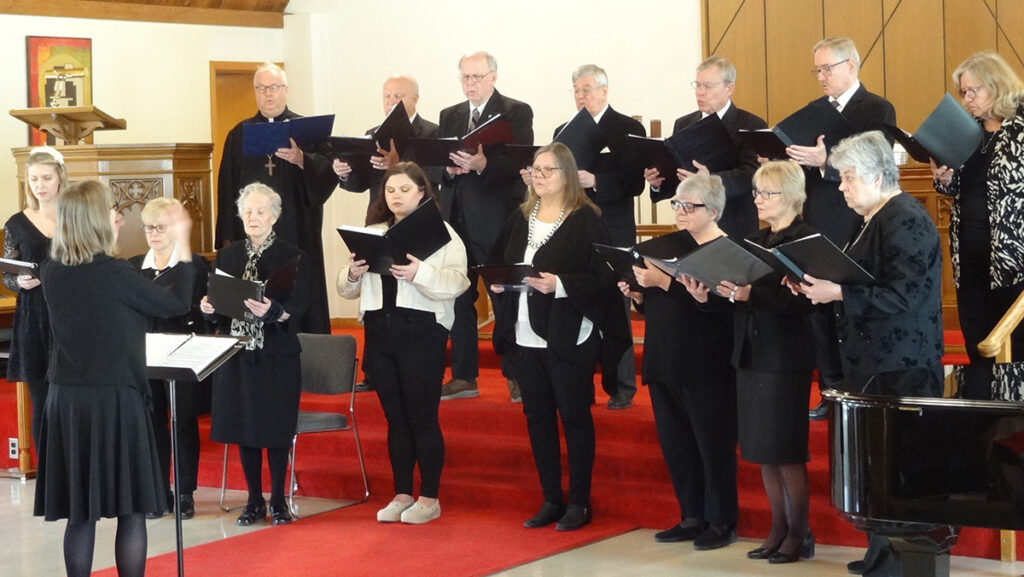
(997, 343)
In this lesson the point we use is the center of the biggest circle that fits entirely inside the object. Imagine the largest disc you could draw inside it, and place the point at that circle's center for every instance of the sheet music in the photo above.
(185, 351)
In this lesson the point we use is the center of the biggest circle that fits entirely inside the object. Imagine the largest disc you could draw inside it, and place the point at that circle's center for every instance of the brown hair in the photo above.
(575, 196)
(379, 211)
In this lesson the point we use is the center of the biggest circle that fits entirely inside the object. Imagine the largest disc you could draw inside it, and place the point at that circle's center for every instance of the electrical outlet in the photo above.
(12, 444)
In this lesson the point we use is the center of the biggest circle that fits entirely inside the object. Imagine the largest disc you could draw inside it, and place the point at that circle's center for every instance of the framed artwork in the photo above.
(59, 75)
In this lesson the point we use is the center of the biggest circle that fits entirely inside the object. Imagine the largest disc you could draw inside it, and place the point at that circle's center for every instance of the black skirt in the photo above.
(97, 455)
(256, 399)
(772, 409)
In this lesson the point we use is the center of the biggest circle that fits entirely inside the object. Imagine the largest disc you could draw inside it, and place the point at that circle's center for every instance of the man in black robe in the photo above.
(304, 179)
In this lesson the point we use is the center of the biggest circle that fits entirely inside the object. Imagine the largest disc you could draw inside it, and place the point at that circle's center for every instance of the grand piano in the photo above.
(913, 465)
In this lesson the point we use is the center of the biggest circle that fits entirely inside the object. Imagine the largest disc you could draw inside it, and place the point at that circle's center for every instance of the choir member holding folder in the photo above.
(894, 322)
(161, 259)
(986, 229)
(774, 358)
(97, 454)
(256, 393)
(692, 385)
(553, 332)
(27, 237)
(408, 312)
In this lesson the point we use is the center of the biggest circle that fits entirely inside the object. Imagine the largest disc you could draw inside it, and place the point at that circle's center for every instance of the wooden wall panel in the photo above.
(861, 21)
(718, 17)
(743, 44)
(792, 28)
(968, 28)
(1010, 36)
(913, 64)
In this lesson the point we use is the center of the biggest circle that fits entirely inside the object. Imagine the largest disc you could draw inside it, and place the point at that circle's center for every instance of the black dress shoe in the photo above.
(576, 516)
(620, 401)
(857, 567)
(762, 552)
(677, 533)
(252, 513)
(818, 413)
(188, 506)
(804, 551)
(364, 386)
(715, 537)
(548, 514)
(280, 514)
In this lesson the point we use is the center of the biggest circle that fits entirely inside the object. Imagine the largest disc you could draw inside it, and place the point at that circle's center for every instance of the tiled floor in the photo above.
(31, 547)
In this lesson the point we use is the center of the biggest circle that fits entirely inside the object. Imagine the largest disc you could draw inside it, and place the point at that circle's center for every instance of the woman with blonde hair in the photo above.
(986, 228)
(97, 454)
(27, 237)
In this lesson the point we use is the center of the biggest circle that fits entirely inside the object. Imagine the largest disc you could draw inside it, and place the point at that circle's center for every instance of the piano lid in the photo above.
(1000, 382)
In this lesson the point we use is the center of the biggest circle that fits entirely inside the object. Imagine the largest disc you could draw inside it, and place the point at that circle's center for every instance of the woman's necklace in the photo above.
(984, 148)
(533, 224)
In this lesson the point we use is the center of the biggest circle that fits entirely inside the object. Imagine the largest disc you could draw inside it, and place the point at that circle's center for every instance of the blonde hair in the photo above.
(46, 156)
(155, 207)
(83, 224)
(788, 177)
(575, 196)
(994, 73)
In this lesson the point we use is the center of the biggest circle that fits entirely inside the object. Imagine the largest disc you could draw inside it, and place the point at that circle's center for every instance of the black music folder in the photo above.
(421, 233)
(435, 151)
(622, 259)
(584, 138)
(949, 135)
(227, 293)
(511, 277)
(521, 155)
(355, 150)
(707, 141)
(259, 138)
(713, 262)
(817, 256)
(19, 267)
(395, 127)
(801, 128)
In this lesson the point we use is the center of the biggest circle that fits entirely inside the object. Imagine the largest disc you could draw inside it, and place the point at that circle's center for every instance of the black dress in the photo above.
(256, 393)
(773, 355)
(30, 344)
(97, 455)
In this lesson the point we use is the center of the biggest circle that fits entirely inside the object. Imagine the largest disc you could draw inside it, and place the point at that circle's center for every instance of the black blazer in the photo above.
(278, 337)
(895, 322)
(188, 323)
(588, 282)
(616, 184)
(770, 330)
(825, 208)
(740, 216)
(366, 177)
(479, 205)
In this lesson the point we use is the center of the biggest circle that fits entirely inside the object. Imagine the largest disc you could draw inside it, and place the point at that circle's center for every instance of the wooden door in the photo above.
(231, 101)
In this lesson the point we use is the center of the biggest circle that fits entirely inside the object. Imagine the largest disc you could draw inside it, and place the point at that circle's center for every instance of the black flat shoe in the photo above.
(677, 533)
(188, 506)
(805, 551)
(762, 552)
(818, 413)
(280, 515)
(576, 516)
(252, 513)
(548, 514)
(715, 537)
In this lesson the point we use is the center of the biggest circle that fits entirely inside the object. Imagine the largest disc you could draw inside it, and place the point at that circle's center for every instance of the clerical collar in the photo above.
(845, 97)
(721, 113)
(150, 260)
(274, 119)
(600, 115)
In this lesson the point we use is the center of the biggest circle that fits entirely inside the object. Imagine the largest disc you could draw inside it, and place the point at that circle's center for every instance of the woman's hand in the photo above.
(181, 232)
(697, 290)
(818, 290)
(356, 268)
(27, 282)
(943, 174)
(526, 176)
(406, 272)
(652, 276)
(258, 308)
(733, 292)
(545, 284)
(206, 307)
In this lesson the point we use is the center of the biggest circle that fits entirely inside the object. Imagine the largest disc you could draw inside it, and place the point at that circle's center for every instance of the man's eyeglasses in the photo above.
(542, 171)
(764, 194)
(687, 207)
(705, 85)
(473, 78)
(148, 228)
(826, 70)
(271, 88)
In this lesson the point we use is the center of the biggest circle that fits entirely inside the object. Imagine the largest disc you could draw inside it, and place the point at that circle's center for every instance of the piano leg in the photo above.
(921, 555)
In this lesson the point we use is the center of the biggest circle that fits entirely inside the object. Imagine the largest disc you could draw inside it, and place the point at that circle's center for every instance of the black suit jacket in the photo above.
(825, 209)
(616, 185)
(479, 205)
(740, 216)
(366, 177)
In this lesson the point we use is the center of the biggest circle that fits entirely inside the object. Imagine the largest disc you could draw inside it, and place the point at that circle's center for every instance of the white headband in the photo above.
(53, 152)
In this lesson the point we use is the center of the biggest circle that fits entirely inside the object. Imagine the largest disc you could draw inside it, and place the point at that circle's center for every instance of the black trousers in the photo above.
(405, 360)
(556, 389)
(697, 433)
(980, 308)
(190, 404)
(465, 344)
(826, 346)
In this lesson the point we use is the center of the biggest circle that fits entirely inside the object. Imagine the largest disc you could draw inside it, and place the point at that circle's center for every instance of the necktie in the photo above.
(474, 120)
(835, 104)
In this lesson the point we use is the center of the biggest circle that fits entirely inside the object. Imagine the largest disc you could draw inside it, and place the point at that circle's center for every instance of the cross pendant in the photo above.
(270, 165)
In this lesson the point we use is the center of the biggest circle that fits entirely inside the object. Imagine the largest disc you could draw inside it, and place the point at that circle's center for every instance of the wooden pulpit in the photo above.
(71, 124)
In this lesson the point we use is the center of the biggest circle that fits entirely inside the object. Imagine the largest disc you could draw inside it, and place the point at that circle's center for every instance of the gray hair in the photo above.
(727, 70)
(600, 76)
(842, 48)
(260, 188)
(492, 63)
(408, 78)
(870, 154)
(272, 67)
(708, 188)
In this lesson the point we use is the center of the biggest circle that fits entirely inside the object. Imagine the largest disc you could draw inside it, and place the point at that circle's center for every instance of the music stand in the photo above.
(197, 370)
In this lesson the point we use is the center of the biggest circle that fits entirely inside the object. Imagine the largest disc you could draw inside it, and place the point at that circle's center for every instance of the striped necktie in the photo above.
(474, 120)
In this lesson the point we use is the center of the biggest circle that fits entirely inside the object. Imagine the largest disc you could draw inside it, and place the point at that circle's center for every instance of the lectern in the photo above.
(71, 124)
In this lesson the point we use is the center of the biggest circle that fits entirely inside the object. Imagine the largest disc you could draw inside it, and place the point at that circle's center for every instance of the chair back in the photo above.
(328, 363)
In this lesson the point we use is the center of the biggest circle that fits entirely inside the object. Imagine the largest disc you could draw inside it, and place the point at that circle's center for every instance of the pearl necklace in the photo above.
(533, 221)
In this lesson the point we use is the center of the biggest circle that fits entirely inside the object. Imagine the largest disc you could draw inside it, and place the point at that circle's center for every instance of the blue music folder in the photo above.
(259, 138)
